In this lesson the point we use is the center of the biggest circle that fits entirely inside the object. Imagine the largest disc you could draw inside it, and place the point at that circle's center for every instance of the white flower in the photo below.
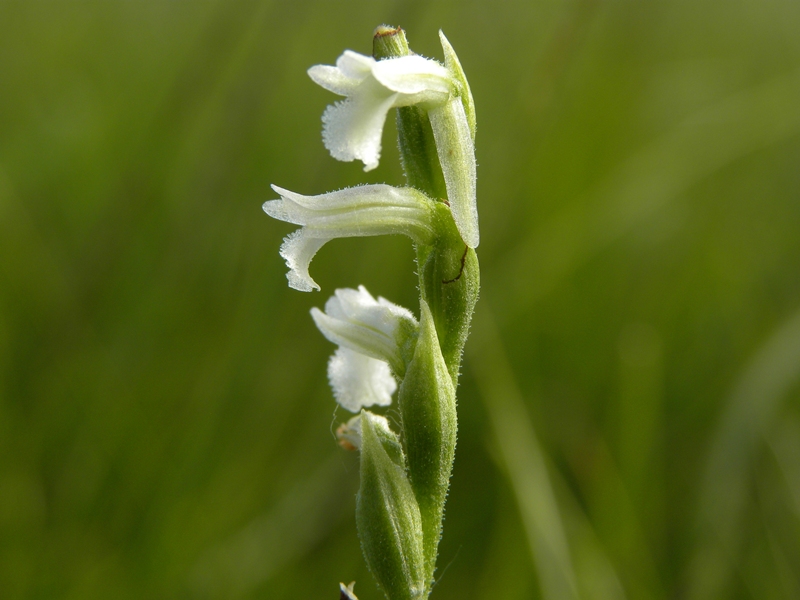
(353, 127)
(376, 328)
(352, 212)
(372, 335)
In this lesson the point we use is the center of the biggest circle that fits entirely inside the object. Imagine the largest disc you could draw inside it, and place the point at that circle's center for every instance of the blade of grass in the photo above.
(304, 515)
(699, 146)
(523, 459)
(568, 554)
(750, 409)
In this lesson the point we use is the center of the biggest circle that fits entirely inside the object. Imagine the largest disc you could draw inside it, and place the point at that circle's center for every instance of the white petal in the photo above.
(333, 80)
(378, 194)
(349, 434)
(359, 380)
(352, 128)
(298, 249)
(355, 65)
(359, 306)
(281, 210)
(398, 311)
(358, 212)
(335, 306)
(413, 74)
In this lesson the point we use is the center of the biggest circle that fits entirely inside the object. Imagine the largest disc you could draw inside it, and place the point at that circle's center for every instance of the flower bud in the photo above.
(427, 401)
(349, 436)
(388, 518)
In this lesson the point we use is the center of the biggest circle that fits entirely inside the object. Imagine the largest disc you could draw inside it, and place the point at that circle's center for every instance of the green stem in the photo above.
(449, 280)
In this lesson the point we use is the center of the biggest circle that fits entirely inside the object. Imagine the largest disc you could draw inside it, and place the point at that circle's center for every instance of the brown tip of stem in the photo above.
(386, 30)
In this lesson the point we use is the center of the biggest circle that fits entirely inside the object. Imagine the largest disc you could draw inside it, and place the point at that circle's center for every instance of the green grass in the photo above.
(630, 398)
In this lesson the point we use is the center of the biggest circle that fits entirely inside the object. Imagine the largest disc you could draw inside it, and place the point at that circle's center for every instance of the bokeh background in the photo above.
(630, 403)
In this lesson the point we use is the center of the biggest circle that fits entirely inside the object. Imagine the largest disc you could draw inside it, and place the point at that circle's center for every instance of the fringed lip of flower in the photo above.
(365, 210)
(358, 380)
(353, 127)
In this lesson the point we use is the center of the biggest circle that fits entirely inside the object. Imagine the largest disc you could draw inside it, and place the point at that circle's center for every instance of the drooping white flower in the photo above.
(353, 127)
(352, 212)
(376, 328)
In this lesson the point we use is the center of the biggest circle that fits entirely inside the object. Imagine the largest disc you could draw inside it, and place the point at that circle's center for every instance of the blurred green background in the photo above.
(630, 397)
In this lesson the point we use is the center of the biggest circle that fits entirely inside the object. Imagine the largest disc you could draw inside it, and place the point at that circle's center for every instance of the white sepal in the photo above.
(376, 328)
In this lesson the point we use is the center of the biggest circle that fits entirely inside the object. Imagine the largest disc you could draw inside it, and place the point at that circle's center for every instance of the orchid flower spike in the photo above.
(381, 347)
(352, 212)
(353, 127)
